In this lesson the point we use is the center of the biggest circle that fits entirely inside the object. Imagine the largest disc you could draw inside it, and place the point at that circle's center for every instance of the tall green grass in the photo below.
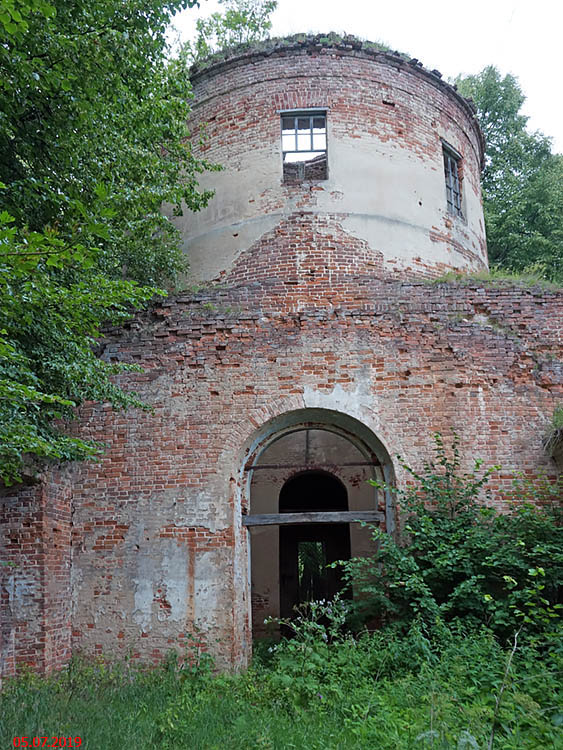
(378, 691)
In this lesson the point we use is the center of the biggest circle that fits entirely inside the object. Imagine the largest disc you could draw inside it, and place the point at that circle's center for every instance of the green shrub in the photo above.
(460, 558)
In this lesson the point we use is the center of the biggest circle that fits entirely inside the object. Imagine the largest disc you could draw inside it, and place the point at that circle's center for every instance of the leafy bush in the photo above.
(460, 558)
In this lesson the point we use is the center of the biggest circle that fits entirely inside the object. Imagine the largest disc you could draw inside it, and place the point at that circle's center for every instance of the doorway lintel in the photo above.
(279, 519)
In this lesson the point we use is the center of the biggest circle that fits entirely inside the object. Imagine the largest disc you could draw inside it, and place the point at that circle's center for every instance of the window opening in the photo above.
(452, 174)
(304, 146)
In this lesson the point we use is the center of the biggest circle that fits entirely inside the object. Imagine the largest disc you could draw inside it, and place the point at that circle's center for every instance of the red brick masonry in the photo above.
(156, 551)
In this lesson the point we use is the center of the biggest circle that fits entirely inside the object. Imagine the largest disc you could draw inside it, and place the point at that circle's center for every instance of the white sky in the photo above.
(518, 36)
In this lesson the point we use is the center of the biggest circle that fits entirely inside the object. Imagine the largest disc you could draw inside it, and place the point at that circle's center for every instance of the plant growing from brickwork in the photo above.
(496, 276)
(553, 440)
(460, 558)
(241, 22)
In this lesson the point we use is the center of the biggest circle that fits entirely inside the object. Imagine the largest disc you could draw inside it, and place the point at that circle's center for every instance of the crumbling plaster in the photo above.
(385, 186)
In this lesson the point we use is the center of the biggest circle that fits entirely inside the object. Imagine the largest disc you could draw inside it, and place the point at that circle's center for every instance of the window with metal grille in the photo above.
(304, 146)
(453, 181)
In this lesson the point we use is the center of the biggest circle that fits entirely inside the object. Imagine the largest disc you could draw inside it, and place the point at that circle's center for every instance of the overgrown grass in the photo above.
(380, 690)
(472, 657)
(500, 277)
(331, 38)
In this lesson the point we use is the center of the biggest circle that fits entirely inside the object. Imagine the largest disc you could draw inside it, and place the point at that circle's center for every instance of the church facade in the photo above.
(317, 345)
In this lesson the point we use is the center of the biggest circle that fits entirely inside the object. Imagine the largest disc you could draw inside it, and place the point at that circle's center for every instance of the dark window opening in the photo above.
(452, 173)
(304, 147)
(306, 550)
(311, 568)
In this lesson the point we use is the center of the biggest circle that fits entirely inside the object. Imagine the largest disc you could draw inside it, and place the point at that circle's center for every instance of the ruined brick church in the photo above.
(316, 348)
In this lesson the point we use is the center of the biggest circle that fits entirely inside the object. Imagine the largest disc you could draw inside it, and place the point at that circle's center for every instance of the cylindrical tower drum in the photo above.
(338, 158)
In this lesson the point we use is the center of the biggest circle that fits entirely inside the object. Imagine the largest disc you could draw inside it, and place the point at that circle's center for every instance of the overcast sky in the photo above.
(518, 36)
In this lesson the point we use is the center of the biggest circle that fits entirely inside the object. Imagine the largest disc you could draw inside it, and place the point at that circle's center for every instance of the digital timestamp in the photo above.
(46, 741)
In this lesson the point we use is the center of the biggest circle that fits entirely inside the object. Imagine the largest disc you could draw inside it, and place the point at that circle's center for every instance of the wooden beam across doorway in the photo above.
(280, 519)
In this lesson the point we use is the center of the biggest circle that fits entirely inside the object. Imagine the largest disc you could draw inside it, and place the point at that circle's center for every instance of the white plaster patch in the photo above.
(218, 249)
(21, 590)
(143, 596)
(212, 576)
(352, 402)
(174, 572)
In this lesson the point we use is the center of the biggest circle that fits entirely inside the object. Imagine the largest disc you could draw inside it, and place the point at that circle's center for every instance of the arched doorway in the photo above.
(307, 549)
(307, 488)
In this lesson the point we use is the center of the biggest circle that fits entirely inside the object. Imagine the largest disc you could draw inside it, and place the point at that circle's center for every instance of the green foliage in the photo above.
(460, 559)
(242, 22)
(522, 180)
(553, 439)
(315, 626)
(90, 105)
(93, 139)
(47, 359)
(381, 690)
(557, 419)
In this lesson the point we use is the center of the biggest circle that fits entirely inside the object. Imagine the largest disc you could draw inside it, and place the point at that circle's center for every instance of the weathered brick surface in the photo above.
(406, 359)
(387, 120)
(368, 90)
(145, 550)
(158, 552)
(35, 591)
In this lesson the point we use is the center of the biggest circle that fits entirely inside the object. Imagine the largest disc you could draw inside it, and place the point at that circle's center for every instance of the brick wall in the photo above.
(158, 553)
(407, 360)
(35, 590)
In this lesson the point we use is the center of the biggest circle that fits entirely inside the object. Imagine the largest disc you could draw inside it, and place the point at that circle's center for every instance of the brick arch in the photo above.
(272, 439)
(355, 431)
(280, 423)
